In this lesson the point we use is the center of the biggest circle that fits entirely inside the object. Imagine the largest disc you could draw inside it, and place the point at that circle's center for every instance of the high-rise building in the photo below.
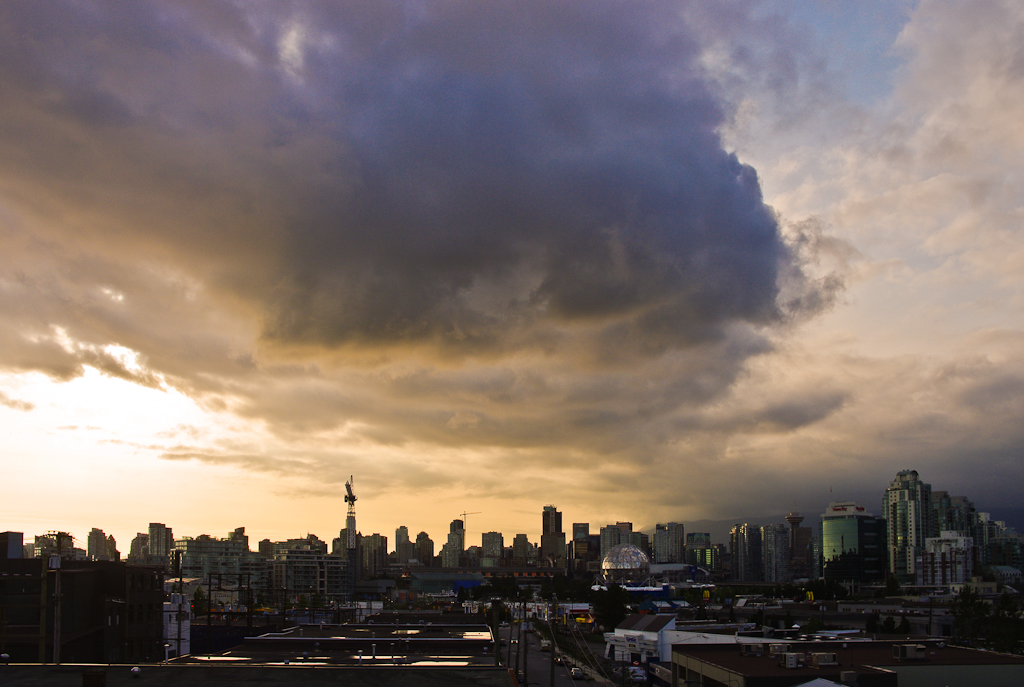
(521, 549)
(611, 536)
(101, 547)
(12, 545)
(453, 551)
(62, 544)
(946, 560)
(853, 545)
(745, 552)
(700, 552)
(580, 530)
(458, 529)
(405, 549)
(552, 538)
(802, 562)
(425, 549)
(669, 543)
(1004, 550)
(775, 553)
(97, 545)
(908, 512)
(139, 549)
(640, 541)
(492, 548)
(375, 555)
(303, 566)
(698, 539)
(230, 557)
(952, 514)
(552, 520)
(161, 542)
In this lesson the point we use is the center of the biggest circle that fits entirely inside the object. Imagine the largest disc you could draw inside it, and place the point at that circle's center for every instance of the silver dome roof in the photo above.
(625, 563)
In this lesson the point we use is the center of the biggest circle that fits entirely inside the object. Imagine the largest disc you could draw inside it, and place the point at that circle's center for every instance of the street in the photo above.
(538, 663)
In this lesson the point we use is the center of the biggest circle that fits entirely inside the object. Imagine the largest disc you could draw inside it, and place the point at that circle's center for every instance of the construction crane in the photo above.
(465, 519)
(350, 521)
(350, 497)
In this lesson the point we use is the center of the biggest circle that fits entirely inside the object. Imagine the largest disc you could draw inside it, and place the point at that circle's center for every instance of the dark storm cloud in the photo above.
(508, 229)
(472, 177)
(518, 166)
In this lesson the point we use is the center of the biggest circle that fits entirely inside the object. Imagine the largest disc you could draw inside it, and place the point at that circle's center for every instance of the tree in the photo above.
(892, 586)
(904, 626)
(610, 606)
(199, 602)
(889, 626)
(1005, 629)
(969, 615)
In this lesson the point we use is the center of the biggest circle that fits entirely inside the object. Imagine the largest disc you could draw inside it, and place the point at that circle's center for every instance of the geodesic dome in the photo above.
(625, 563)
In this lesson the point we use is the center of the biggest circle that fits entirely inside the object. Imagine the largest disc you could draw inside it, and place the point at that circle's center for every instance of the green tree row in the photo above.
(998, 626)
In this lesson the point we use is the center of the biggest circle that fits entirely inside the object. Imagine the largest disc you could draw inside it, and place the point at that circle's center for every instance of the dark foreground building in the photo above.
(420, 654)
(224, 675)
(110, 612)
(856, 663)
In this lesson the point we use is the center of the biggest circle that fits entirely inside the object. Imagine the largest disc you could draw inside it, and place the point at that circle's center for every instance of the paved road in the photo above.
(538, 663)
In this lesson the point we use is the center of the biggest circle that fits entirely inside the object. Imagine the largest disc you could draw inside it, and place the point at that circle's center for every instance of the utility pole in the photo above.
(55, 564)
(526, 652)
(181, 595)
(508, 659)
(209, 608)
(519, 633)
(497, 632)
(42, 610)
(554, 645)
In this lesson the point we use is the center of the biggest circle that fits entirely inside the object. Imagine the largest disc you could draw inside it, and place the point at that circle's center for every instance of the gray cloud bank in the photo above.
(507, 225)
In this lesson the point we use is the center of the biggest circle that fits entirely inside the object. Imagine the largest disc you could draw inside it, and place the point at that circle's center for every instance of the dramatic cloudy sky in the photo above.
(644, 261)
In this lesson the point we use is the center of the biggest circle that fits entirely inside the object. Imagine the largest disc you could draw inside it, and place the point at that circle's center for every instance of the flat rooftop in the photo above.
(859, 656)
(34, 675)
(366, 645)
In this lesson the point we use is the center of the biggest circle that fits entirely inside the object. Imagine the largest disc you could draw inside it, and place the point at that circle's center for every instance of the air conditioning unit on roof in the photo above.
(789, 660)
(909, 652)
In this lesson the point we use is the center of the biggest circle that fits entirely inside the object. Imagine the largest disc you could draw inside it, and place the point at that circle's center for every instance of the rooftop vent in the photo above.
(909, 652)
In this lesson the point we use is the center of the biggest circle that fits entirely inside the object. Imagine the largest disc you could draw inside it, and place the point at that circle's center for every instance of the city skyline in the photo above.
(719, 530)
(661, 262)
